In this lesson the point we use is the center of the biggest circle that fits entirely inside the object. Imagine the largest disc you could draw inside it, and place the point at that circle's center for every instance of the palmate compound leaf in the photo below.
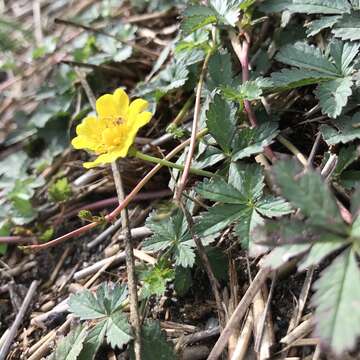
(310, 194)
(345, 129)
(332, 70)
(70, 346)
(337, 303)
(105, 305)
(241, 203)
(307, 6)
(251, 141)
(88, 306)
(171, 233)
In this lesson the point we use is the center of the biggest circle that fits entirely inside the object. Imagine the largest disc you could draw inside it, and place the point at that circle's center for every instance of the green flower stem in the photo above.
(167, 163)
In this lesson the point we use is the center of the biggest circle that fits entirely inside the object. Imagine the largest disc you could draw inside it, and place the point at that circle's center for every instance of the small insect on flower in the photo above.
(111, 133)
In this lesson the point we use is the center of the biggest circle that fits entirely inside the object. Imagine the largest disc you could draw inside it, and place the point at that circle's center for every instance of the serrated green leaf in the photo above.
(272, 206)
(346, 129)
(293, 78)
(219, 190)
(218, 218)
(227, 11)
(333, 95)
(347, 155)
(165, 232)
(310, 194)
(170, 78)
(282, 254)
(248, 179)
(184, 255)
(348, 27)
(223, 12)
(88, 305)
(211, 156)
(154, 343)
(308, 57)
(196, 17)
(14, 165)
(221, 122)
(343, 53)
(249, 90)
(248, 220)
(307, 6)
(118, 331)
(220, 70)
(315, 26)
(60, 190)
(336, 299)
(173, 76)
(70, 346)
(93, 341)
(242, 198)
(85, 305)
(155, 280)
(171, 234)
(251, 141)
(320, 251)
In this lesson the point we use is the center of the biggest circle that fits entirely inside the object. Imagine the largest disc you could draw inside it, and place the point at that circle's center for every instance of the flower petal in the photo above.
(89, 134)
(105, 158)
(122, 102)
(106, 107)
(143, 118)
(137, 106)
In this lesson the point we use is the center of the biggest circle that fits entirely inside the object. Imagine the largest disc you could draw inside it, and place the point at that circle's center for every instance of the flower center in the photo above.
(119, 121)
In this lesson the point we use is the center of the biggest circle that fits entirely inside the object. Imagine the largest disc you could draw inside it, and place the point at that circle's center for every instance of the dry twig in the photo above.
(18, 320)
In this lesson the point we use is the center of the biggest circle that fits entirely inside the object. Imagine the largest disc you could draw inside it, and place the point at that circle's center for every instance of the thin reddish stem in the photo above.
(242, 52)
(115, 213)
(16, 240)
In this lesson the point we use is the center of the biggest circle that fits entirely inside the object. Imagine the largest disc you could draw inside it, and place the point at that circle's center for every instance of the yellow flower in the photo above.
(113, 131)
